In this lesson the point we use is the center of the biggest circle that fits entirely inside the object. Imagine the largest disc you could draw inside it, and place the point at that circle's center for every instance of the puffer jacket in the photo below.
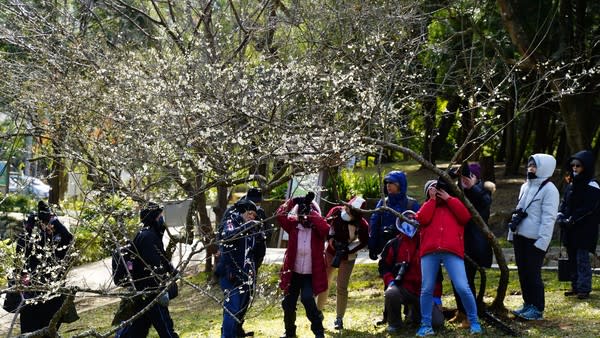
(581, 203)
(381, 220)
(541, 206)
(442, 226)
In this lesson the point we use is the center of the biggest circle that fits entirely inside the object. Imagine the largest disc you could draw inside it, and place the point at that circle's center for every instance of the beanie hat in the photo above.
(44, 212)
(475, 169)
(150, 212)
(254, 195)
(428, 185)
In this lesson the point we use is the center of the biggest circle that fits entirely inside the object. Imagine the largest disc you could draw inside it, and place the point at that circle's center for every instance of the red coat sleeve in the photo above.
(425, 214)
(282, 213)
(320, 225)
(459, 210)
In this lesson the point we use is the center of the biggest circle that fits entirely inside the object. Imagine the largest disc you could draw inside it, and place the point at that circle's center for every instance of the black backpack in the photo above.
(125, 261)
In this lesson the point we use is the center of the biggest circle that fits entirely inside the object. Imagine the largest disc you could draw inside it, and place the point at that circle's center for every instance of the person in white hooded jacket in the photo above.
(539, 199)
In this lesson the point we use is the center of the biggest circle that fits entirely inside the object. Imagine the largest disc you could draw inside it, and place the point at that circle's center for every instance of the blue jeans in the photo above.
(455, 266)
(236, 300)
(581, 270)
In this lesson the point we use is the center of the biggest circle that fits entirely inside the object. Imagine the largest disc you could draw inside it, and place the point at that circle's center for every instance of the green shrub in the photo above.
(17, 203)
(279, 192)
(368, 186)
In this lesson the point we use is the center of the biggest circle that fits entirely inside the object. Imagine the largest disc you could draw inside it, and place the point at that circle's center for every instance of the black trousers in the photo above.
(38, 316)
(301, 286)
(157, 316)
(529, 261)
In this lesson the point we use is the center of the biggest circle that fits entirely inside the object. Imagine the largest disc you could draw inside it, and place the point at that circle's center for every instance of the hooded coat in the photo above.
(382, 220)
(580, 202)
(320, 229)
(540, 203)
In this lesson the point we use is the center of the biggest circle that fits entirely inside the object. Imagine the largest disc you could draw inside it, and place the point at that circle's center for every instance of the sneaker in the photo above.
(475, 329)
(338, 324)
(583, 295)
(425, 331)
(523, 308)
(570, 293)
(532, 313)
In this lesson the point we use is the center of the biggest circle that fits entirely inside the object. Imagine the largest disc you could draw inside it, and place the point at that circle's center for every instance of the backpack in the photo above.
(124, 263)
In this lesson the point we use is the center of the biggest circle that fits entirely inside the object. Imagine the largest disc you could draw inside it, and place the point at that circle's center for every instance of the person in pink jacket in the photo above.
(442, 220)
(303, 273)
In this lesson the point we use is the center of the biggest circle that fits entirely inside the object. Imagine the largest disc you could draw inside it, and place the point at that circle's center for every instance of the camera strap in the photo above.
(533, 198)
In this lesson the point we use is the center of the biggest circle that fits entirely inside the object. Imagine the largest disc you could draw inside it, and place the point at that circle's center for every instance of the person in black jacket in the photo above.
(44, 245)
(237, 265)
(150, 276)
(578, 218)
(477, 247)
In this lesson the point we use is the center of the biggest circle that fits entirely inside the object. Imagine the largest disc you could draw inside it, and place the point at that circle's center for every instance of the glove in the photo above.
(373, 255)
(164, 299)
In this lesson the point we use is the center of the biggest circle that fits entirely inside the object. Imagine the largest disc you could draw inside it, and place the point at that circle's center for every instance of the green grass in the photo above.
(196, 315)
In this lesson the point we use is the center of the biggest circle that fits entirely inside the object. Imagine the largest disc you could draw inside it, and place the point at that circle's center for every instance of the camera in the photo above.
(341, 250)
(516, 218)
(304, 208)
(401, 267)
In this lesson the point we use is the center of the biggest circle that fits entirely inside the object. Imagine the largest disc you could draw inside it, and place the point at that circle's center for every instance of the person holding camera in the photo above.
(237, 265)
(150, 278)
(348, 233)
(44, 246)
(382, 225)
(578, 219)
(303, 273)
(400, 269)
(477, 246)
(530, 230)
(442, 220)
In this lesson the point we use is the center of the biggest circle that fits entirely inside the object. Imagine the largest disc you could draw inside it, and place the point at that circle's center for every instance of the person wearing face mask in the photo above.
(382, 225)
(400, 269)
(578, 219)
(238, 265)
(156, 272)
(303, 273)
(531, 234)
(348, 233)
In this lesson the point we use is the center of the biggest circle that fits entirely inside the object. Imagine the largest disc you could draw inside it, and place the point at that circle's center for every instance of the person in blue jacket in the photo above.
(382, 224)
(237, 265)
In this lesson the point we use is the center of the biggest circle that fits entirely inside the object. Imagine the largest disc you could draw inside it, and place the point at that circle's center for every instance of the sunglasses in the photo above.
(576, 165)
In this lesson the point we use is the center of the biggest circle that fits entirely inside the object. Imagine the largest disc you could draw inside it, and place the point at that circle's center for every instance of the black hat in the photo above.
(150, 212)
(244, 205)
(44, 212)
(254, 194)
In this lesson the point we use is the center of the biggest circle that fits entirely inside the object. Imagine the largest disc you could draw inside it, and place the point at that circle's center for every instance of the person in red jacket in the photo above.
(348, 233)
(442, 220)
(303, 272)
(400, 268)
